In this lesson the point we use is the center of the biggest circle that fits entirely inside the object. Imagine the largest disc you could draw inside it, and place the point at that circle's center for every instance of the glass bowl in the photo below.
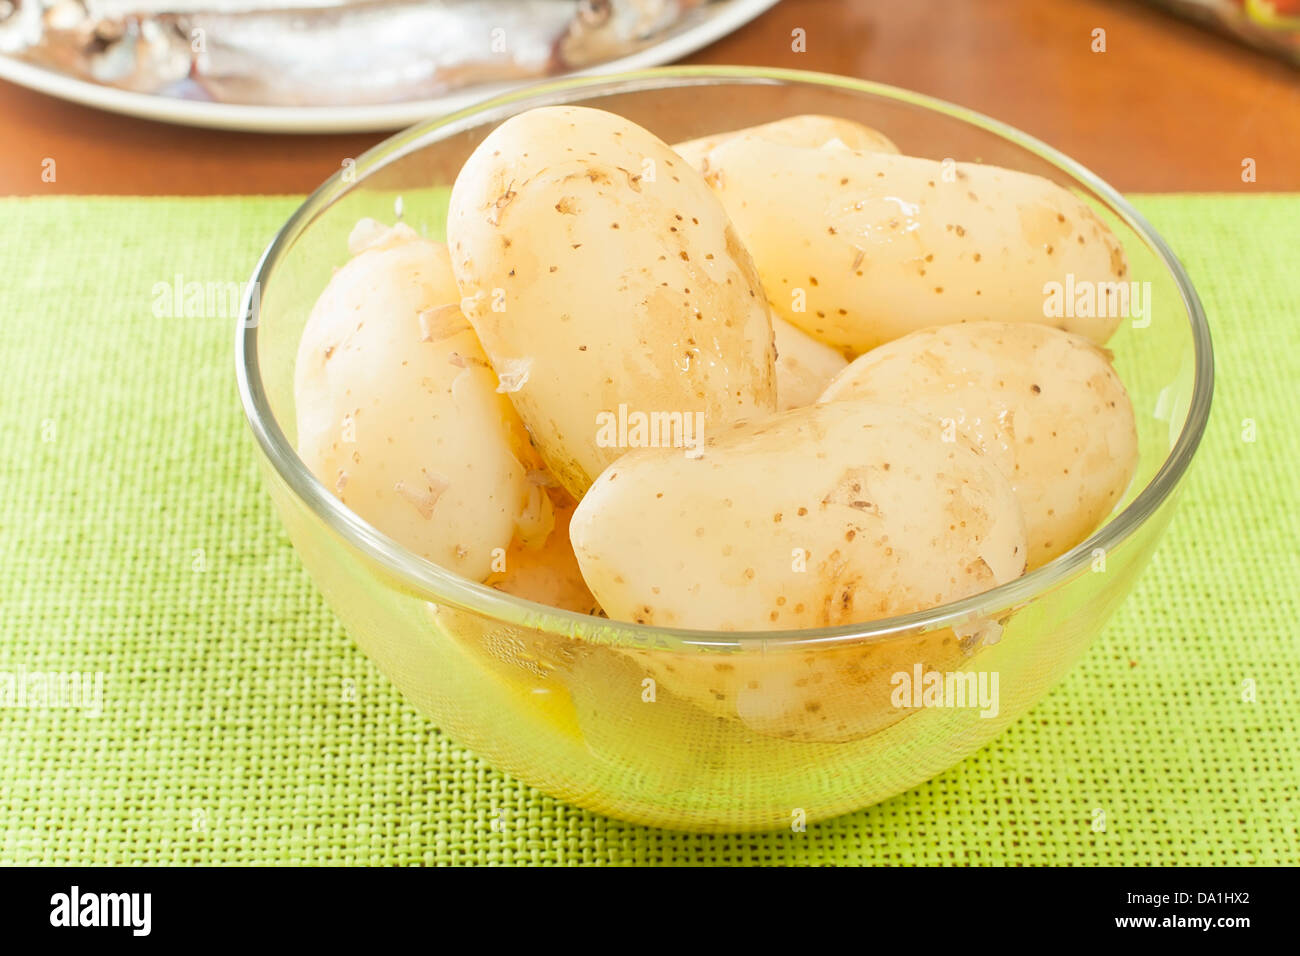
(692, 729)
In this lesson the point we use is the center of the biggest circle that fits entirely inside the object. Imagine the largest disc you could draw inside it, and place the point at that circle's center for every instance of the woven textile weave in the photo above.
(240, 726)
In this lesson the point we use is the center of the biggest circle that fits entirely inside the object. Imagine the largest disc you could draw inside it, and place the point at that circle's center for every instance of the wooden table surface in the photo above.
(1167, 107)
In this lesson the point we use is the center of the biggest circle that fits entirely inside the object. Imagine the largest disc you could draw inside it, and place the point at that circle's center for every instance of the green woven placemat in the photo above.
(240, 725)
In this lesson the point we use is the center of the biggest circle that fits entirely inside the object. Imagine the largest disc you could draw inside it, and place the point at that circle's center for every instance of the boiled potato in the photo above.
(858, 248)
(375, 235)
(830, 514)
(600, 272)
(1045, 407)
(807, 129)
(398, 411)
(547, 573)
(833, 693)
(804, 366)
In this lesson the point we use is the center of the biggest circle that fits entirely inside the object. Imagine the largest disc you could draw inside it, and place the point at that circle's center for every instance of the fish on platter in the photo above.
(327, 52)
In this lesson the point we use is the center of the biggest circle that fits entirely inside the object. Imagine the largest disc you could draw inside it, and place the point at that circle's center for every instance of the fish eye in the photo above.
(595, 13)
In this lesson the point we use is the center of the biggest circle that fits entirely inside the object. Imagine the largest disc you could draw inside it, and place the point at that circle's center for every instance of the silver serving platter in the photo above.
(698, 29)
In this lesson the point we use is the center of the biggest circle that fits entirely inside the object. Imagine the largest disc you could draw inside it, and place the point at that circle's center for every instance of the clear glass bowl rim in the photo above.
(437, 584)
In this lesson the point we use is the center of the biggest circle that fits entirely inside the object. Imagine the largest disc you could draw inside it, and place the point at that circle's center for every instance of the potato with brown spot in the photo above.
(859, 248)
(831, 694)
(1045, 406)
(398, 412)
(879, 516)
(664, 314)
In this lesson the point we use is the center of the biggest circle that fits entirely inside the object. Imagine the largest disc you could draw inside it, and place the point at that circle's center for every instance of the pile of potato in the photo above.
(875, 416)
